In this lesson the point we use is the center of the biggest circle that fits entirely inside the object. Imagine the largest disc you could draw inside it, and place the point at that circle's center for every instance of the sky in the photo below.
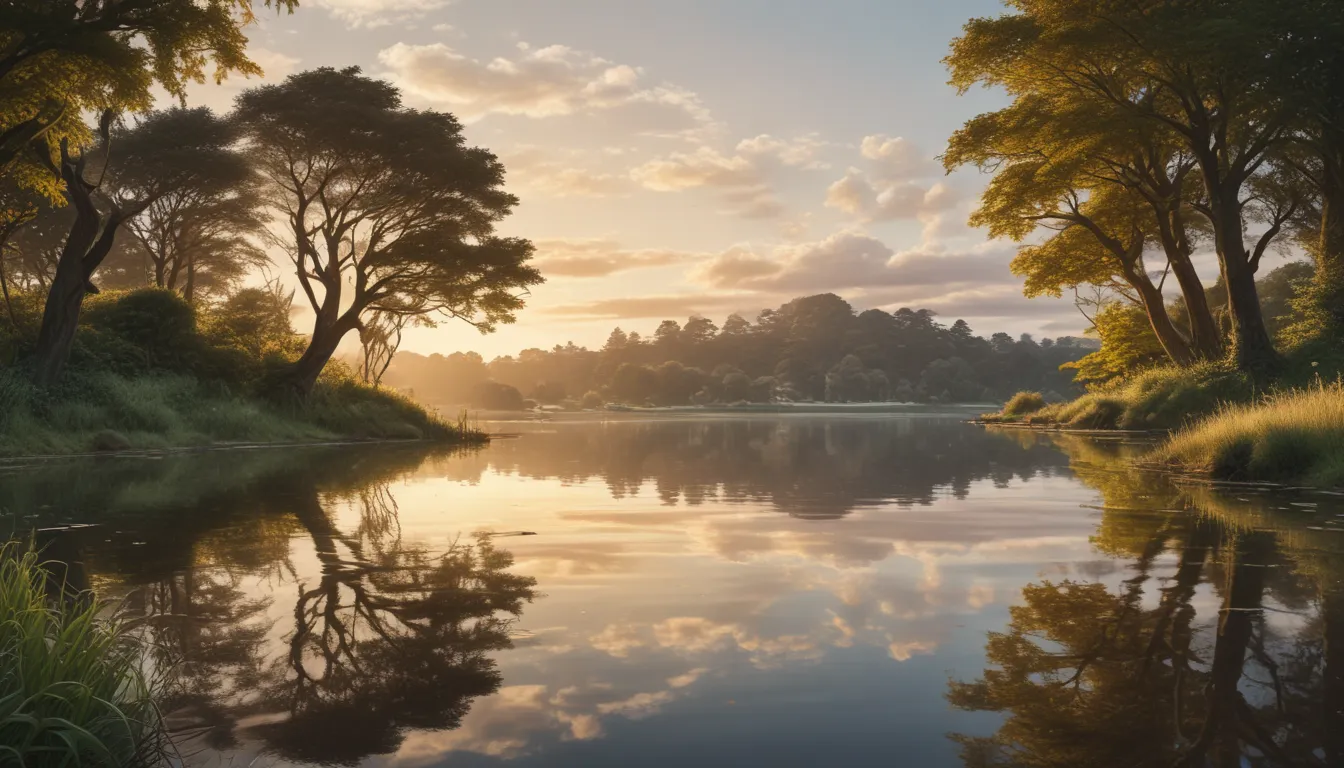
(694, 157)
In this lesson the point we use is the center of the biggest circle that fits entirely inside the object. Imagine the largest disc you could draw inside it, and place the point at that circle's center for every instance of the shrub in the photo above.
(1024, 403)
(72, 684)
(591, 401)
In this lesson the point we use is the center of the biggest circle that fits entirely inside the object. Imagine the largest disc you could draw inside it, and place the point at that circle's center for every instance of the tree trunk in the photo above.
(60, 316)
(1218, 743)
(1329, 279)
(1253, 351)
(1206, 342)
(1173, 343)
(302, 375)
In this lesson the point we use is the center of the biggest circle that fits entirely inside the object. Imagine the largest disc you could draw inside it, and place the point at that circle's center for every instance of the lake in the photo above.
(784, 590)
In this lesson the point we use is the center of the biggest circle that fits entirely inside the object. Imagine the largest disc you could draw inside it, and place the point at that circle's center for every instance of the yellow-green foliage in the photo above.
(72, 685)
(1161, 398)
(1293, 436)
(1024, 403)
(1128, 344)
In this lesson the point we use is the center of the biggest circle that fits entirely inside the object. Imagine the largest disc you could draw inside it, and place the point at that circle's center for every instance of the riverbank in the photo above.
(105, 412)
(1218, 423)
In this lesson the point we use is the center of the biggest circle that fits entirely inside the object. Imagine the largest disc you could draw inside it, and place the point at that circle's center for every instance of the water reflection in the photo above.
(792, 591)
(1222, 646)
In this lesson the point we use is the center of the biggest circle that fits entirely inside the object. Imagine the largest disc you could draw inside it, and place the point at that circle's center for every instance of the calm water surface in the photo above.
(788, 591)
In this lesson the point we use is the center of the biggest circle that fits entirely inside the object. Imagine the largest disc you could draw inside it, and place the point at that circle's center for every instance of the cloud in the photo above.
(377, 13)
(677, 305)
(873, 201)
(537, 82)
(800, 152)
(897, 184)
(742, 177)
(599, 258)
(535, 170)
(850, 261)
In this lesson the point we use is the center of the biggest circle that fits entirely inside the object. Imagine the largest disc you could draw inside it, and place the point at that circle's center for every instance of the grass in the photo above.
(72, 686)
(1295, 436)
(103, 411)
(1157, 399)
(1024, 403)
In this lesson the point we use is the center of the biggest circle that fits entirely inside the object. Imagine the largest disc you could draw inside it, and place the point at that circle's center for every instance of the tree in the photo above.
(197, 236)
(384, 209)
(1193, 71)
(60, 59)
(167, 164)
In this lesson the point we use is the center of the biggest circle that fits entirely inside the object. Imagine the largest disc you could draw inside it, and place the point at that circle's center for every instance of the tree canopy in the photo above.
(386, 200)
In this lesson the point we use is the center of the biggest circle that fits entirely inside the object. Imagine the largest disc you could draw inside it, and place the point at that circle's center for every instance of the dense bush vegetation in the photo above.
(149, 370)
(814, 348)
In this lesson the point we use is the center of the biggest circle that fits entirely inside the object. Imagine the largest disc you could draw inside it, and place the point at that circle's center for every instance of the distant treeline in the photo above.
(814, 348)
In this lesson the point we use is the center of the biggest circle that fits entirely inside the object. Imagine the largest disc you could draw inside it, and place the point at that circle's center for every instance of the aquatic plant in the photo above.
(73, 685)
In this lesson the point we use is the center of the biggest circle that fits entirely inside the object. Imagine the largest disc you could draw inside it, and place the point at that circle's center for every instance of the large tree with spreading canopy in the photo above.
(385, 210)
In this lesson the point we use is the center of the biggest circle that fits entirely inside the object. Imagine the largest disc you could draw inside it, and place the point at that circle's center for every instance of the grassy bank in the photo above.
(1162, 398)
(106, 412)
(1292, 437)
(150, 371)
(73, 686)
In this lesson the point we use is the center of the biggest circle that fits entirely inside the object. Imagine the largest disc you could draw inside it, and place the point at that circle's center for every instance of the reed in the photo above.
(73, 683)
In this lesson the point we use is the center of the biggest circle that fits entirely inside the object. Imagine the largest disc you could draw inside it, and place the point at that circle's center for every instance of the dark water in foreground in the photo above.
(783, 591)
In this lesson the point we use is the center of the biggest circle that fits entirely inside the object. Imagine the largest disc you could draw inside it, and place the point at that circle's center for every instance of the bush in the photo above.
(1024, 403)
(72, 683)
(592, 401)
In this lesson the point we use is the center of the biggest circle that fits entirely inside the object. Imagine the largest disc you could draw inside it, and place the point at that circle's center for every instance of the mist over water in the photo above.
(805, 590)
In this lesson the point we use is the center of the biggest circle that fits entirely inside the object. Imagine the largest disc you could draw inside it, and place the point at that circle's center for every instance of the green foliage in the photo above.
(147, 370)
(73, 690)
(813, 348)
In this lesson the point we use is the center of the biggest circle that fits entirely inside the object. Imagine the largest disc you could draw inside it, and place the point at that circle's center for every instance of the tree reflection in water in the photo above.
(388, 635)
(1091, 675)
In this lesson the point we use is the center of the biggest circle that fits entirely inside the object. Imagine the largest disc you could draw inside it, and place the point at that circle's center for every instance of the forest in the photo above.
(811, 349)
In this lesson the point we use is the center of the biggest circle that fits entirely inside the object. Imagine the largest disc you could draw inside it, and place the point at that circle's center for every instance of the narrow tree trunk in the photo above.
(1218, 742)
(1329, 279)
(1173, 343)
(1205, 339)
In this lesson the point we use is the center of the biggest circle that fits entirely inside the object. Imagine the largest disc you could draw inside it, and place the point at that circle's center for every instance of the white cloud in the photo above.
(869, 200)
(742, 177)
(537, 82)
(898, 184)
(599, 257)
(800, 152)
(854, 261)
(377, 13)
(534, 170)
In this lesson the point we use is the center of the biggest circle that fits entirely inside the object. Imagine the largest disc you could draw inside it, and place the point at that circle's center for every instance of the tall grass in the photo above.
(73, 690)
(96, 411)
(1294, 436)
(1160, 398)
